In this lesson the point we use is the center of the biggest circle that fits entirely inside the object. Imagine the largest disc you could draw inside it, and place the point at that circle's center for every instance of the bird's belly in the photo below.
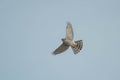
(68, 42)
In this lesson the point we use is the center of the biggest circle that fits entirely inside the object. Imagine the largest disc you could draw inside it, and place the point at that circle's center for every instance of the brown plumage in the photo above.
(68, 41)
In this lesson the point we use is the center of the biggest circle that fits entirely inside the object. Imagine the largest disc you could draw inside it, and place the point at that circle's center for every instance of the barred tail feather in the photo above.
(78, 47)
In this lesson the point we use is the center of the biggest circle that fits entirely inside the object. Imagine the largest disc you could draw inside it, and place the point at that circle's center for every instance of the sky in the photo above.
(30, 30)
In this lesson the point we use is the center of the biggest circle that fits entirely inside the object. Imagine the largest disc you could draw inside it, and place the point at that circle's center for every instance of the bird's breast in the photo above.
(68, 42)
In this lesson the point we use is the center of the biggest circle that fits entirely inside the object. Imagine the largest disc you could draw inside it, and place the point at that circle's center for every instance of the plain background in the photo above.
(30, 30)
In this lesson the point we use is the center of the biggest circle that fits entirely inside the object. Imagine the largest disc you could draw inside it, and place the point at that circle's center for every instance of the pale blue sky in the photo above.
(30, 30)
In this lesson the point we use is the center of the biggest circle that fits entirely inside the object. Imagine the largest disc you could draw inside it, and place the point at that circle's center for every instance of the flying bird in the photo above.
(68, 42)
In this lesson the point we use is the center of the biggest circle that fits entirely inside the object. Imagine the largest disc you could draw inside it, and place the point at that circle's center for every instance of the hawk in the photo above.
(68, 42)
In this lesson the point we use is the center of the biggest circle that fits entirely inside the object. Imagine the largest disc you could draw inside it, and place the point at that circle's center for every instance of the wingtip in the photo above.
(69, 25)
(53, 53)
(68, 22)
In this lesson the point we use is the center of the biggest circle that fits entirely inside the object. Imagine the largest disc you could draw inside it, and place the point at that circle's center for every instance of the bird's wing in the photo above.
(78, 47)
(69, 31)
(63, 47)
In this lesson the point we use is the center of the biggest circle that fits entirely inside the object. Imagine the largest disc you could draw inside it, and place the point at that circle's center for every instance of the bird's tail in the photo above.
(78, 47)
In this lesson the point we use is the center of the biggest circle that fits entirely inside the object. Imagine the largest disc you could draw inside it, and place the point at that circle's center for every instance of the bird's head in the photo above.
(63, 39)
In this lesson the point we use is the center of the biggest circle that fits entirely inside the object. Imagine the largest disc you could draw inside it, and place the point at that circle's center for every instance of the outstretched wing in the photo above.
(69, 31)
(63, 47)
(78, 47)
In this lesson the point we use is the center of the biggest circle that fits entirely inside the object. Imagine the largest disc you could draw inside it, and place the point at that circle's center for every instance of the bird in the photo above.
(68, 42)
